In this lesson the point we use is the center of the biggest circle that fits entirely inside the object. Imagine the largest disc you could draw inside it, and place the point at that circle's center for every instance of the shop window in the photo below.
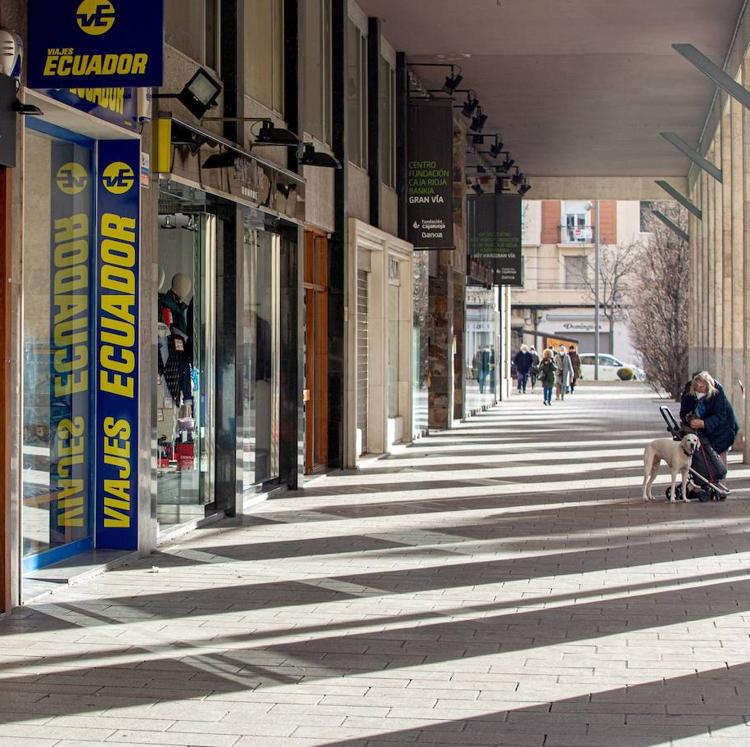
(194, 27)
(186, 372)
(356, 95)
(317, 69)
(264, 52)
(58, 348)
(576, 272)
(387, 124)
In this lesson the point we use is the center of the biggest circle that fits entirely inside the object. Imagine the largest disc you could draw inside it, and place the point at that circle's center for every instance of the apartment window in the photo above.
(387, 124)
(576, 272)
(183, 18)
(317, 69)
(645, 214)
(264, 52)
(356, 98)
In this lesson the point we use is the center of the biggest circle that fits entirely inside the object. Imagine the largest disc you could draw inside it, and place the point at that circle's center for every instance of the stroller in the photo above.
(707, 469)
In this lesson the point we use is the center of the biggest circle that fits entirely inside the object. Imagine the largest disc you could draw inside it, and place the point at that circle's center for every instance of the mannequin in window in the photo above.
(173, 311)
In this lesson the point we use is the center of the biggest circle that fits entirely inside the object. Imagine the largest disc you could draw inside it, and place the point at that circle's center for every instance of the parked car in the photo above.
(608, 367)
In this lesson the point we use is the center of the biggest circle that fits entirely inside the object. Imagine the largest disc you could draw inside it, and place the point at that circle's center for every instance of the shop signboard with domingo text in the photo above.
(430, 175)
(95, 43)
(117, 344)
(495, 235)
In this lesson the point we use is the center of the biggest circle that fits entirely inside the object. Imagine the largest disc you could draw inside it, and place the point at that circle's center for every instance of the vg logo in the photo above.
(72, 178)
(95, 17)
(118, 178)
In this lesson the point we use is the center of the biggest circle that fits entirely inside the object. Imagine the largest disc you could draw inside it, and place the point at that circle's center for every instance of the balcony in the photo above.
(570, 234)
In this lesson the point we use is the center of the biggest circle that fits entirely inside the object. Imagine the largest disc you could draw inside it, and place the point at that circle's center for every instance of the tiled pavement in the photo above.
(500, 584)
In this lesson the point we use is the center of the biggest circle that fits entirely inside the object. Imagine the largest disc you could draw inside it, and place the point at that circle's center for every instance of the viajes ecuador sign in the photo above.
(95, 43)
(430, 175)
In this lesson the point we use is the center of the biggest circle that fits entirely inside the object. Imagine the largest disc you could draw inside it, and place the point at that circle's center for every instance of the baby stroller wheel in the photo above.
(677, 493)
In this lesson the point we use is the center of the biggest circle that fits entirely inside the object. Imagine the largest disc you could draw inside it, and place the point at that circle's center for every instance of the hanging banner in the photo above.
(495, 235)
(117, 343)
(69, 353)
(429, 173)
(95, 43)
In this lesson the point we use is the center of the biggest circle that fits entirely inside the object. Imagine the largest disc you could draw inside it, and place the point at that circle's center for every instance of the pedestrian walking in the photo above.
(575, 362)
(523, 366)
(546, 375)
(534, 372)
(563, 373)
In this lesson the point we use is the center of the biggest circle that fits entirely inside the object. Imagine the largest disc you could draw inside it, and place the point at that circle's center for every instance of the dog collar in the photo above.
(686, 453)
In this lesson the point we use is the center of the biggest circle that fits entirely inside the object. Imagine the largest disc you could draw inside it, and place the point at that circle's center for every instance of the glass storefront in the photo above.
(260, 352)
(481, 347)
(57, 343)
(420, 338)
(186, 371)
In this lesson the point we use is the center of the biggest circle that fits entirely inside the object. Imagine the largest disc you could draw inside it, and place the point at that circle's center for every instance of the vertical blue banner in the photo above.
(118, 215)
(70, 342)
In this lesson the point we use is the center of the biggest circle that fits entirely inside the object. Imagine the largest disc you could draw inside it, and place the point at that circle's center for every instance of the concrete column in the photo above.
(744, 413)
(440, 349)
(724, 364)
(717, 253)
(703, 269)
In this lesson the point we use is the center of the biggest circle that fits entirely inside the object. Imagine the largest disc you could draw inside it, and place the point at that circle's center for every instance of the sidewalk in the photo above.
(499, 584)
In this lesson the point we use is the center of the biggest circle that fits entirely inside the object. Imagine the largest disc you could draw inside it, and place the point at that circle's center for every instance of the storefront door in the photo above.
(58, 360)
(316, 352)
(186, 375)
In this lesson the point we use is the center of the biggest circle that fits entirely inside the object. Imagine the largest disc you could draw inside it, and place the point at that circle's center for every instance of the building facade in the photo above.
(557, 301)
(202, 310)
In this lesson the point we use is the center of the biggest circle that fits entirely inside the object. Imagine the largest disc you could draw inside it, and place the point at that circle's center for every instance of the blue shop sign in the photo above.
(117, 261)
(96, 43)
(116, 105)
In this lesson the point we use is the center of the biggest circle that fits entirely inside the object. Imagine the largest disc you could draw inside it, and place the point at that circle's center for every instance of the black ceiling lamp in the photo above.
(199, 95)
(269, 134)
(524, 188)
(286, 189)
(499, 185)
(220, 160)
(452, 81)
(507, 164)
(477, 188)
(478, 121)
(517, 178)
(470, 105)
(497, 147)
(311, 157)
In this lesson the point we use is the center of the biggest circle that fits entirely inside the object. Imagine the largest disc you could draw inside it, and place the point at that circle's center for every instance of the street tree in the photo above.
(659, 303)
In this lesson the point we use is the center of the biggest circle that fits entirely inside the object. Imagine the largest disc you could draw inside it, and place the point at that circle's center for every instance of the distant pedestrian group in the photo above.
(557, 370)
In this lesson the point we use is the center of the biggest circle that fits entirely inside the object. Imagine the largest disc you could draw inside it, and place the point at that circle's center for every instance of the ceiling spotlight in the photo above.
(469, 106)
(477, 188)
(286, 189)
(478, 121)
(311, 157)
(481, 168)
(452, 82)
(507, 164)
(524, 188)
(220, 160)
(517, 178)
(499, 185)
(497, 148)
(167, 222)
(271, 135)
(28, 110)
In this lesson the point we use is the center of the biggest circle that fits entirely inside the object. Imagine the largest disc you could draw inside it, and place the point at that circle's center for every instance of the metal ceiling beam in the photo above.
(671, 225)
(672, 192)
(714, 73)
(693, 155)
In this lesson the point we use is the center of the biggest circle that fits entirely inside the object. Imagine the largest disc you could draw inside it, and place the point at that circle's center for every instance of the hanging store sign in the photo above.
(117, 344)
(95, 43)
(430, 175)
(495, 235)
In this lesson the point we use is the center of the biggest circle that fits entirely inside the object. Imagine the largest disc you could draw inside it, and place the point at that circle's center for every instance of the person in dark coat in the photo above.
(534, 371)
(575, 361)
(706, 409)
(523, 361)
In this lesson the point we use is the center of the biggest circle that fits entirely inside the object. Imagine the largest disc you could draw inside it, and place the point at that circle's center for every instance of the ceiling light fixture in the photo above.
(470, 105)
(497, 147)
(524, 188)
(477, 188)
(310, 157)
(517, 178)
(220, 160)
(452, 81)
(478, 121)
(286, 189)
(507, 164)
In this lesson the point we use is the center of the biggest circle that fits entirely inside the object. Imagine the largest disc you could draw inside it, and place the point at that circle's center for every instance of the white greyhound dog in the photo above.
(677, 454)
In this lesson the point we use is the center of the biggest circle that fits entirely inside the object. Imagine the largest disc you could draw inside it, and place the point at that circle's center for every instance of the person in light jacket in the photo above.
(564, 372)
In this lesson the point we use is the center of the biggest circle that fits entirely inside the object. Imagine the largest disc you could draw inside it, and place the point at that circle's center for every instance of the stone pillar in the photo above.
(440, 344)
(724, 364)
(744, 414)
